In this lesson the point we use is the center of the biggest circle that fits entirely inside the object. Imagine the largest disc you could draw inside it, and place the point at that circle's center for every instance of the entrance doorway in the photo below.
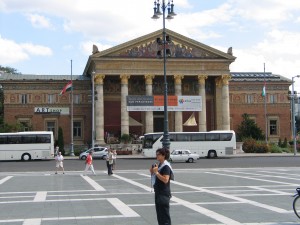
(158, 121)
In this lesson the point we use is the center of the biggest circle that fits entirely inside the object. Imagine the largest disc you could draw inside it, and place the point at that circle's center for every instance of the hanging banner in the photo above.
(156, 103)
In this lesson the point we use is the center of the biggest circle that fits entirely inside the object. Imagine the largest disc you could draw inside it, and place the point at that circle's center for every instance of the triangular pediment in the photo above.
(147, 47)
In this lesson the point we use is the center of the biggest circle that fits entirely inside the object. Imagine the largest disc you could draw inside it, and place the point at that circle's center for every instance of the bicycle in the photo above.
(296, 203)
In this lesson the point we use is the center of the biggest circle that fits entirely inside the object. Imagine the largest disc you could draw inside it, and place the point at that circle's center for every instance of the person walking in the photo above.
(59, 162)
(162, 174)
(109, 162)
(89, 163)
(114, 158)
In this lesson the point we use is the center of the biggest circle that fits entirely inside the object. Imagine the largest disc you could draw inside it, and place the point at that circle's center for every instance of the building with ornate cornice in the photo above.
(132, 69)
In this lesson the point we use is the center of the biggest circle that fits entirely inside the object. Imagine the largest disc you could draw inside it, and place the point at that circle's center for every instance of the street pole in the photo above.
(293, 117)
(157, 13)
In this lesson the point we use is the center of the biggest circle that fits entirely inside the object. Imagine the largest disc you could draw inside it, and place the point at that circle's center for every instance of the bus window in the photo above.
(14, 139)
(150, 139)
(28, 139)
(172, 137)
(212, 137)
(183, 137)
(3, 139)
(197, 137)
(225, 137)
(43, 138)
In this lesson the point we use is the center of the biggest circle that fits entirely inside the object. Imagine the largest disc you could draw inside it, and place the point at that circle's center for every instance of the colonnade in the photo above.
(221, 104)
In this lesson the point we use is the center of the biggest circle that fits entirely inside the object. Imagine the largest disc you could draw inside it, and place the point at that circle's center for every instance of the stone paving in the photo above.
(200, 197)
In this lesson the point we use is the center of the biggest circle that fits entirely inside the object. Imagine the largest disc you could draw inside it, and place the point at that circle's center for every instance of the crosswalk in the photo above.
(253, 196)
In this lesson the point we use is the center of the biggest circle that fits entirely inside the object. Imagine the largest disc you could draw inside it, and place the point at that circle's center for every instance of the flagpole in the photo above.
(72, 146)
(265, 102)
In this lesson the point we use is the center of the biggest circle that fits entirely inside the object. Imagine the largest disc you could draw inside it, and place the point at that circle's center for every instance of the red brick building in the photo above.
(133, 69)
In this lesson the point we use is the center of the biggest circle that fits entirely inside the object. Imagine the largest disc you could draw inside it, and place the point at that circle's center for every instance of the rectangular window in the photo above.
(273, 127)
(26, 125)
(51, 98)
(249, 98)
(51, 127)
(273, 98)
(76, 99)
(24, 99)
(77, 129)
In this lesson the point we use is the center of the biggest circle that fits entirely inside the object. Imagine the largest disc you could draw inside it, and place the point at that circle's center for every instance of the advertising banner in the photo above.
(156, 103)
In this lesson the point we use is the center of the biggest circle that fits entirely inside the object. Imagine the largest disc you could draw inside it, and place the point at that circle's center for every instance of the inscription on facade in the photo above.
(51, 110)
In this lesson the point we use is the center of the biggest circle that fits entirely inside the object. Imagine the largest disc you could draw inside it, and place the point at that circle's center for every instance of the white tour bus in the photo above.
(26, 145)
(207, 144)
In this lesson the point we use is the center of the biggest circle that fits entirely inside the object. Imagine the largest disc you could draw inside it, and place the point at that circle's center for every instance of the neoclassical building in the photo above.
(132, 69)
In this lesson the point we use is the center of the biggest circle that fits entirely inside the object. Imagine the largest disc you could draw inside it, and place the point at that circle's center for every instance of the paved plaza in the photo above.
(200, 197)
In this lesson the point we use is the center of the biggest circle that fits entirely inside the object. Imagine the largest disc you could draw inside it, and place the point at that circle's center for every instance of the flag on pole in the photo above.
(264, 91)
(66, 88)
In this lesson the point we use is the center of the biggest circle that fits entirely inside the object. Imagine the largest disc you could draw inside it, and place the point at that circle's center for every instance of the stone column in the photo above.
(202, 114)
(218, 105)
(124, 113)
(149, 114)
(99, 109)
(225, 102)
(178, 92)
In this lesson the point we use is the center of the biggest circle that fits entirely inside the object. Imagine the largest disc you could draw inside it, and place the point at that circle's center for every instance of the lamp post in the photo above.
(157, 13)
(293, 116)
(93, 108)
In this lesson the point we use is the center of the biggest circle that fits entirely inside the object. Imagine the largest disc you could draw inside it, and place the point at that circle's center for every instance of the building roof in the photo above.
(257, 76)
(236, 76)
(31, 77)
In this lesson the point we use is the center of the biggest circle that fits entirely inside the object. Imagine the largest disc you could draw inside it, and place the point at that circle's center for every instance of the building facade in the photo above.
(132, 69)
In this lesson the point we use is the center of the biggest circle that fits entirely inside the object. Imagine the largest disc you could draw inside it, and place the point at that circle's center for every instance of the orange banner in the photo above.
(159, 100)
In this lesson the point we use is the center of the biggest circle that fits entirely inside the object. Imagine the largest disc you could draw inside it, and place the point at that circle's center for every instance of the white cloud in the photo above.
(269, 12)
(36, 49)
(278, 50)
(39, 21)
(12, 52)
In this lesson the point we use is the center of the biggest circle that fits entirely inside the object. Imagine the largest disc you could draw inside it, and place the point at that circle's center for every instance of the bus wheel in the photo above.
(211, 154)
(26, 157)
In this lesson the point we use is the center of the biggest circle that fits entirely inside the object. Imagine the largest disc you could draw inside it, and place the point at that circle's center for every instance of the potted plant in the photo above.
(125, 138)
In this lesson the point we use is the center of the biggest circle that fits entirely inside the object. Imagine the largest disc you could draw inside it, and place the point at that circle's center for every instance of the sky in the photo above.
(43, 36)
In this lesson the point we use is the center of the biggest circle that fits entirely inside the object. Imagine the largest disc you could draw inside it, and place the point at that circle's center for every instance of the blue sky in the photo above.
(42, 36)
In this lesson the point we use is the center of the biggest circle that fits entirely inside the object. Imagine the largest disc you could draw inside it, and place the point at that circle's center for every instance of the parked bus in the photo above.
(26, 145)
(207, 144)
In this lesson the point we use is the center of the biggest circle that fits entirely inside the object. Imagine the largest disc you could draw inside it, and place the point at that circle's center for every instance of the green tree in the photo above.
(6, 128)
(60, 141)
(249, 129)
(8, 69)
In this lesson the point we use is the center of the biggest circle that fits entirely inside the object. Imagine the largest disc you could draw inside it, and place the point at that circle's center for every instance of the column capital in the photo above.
(202, 78)
(124, 78)
(218, 82)
(98, 78)
(178, 78)
(149, 78)
(225, 79)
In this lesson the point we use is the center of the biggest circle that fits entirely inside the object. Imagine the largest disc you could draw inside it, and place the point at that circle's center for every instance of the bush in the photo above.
(275, 149)
(252, 146)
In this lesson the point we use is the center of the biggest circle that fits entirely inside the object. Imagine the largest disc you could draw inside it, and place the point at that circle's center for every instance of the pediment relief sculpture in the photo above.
(178, 50)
